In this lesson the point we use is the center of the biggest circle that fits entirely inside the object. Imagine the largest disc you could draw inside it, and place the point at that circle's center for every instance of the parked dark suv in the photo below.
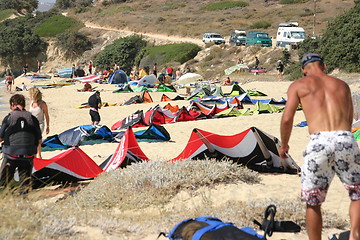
(238, 37)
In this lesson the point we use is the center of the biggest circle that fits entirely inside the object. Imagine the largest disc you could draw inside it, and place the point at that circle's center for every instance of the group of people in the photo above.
(331, 150)
(21, 137)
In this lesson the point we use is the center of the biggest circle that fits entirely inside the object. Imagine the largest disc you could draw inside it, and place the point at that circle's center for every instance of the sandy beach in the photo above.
(63, 115)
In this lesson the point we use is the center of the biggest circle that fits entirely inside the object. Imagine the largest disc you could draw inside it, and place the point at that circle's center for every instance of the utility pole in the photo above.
(314, 20)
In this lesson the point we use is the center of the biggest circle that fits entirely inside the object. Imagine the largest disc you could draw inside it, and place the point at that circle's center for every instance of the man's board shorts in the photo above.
(326, 154)
(95, 116)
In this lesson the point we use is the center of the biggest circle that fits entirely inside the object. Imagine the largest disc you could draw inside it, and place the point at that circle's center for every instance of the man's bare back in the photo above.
(326, 101)
(327, 105)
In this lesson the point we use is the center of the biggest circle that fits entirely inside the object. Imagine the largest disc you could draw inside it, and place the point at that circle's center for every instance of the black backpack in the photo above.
(20, 136)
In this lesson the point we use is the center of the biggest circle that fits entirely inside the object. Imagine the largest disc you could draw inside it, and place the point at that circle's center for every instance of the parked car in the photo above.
(238, 37)
(258, 38)
(213, 37)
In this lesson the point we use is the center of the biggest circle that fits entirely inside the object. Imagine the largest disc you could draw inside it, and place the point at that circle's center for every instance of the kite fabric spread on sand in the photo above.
(252, 148)
(72, 165)
(128, 151)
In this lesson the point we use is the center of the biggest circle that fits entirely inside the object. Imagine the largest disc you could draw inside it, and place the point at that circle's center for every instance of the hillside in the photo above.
(187, 18)
(168, 21)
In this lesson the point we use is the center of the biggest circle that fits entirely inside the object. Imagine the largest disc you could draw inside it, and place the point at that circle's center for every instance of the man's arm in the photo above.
(3, 127)
(288, 118)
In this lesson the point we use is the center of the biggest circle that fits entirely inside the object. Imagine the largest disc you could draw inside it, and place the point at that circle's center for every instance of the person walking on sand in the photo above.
(257, 62)
(9, 81)
(95, 104)
(38, 66)
(90, 67)
(25, 69)
(332, 148)
(21, 135)
(280, 69)
(39, 109)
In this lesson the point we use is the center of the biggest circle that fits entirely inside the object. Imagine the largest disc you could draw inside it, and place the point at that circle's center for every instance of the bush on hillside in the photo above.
(224, 5)
(109, 2)
(292, 1)
(4, 14)
(339, 45)
(57, 24)
(19, 5)
(176, 52)
(18, 42)
(260, 24)
(65, 4)
(122, 51)
(73, 43)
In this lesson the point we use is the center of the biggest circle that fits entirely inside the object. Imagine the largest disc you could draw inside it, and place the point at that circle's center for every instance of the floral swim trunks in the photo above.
(326, 154)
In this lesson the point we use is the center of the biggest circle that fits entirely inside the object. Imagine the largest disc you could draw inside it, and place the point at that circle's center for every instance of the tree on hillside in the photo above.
(122, 51)
(339, 46)
(65, 4)
(18, 42)
(18, 5)
(73, 44)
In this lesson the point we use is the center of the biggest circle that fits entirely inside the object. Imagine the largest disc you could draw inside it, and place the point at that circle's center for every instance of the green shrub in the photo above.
(292, 1)
(57, 24)
(339, 45)
(4, 14)
(113, 10)
(17, 42)
(173, 6)
(260, 24)
(122, 51)
(224, 5)
(19, 5)
(176, 52)
(73, 43)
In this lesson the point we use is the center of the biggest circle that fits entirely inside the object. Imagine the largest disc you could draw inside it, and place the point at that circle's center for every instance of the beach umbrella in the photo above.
(234, 68)
(188, 78)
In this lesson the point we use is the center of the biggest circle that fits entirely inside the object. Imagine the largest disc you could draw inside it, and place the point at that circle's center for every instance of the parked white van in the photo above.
(213, 37)
(289, 34)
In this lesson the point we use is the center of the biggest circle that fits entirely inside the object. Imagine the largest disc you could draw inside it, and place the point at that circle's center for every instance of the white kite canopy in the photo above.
(234, 68)
(252, 148)
(188, 78)
(148, 81)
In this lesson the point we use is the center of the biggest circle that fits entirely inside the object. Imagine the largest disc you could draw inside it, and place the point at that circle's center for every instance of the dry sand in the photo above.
(63, 115)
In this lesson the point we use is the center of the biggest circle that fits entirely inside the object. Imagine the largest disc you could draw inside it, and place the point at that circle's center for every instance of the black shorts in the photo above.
(95, 116)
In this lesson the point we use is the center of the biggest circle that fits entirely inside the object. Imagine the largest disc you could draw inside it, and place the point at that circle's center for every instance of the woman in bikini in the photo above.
(9, 79)
(39, 109)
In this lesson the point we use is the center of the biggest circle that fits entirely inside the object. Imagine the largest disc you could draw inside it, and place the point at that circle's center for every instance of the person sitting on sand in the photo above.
(227, 82)
(87, 88)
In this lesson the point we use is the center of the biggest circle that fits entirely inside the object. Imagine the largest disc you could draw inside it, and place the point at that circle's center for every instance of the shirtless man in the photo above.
(328, 109)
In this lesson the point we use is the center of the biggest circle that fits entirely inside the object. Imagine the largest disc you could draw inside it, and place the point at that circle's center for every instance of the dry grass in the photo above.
(189, 19)
(136, 201)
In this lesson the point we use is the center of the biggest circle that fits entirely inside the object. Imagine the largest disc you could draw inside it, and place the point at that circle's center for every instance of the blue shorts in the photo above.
(326, 154)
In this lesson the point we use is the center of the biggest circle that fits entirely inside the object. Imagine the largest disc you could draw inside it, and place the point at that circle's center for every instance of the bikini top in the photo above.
(37, 112)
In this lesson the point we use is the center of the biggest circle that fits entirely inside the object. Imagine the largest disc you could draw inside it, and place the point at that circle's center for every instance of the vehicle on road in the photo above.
(289, 34)
(258, 38)
(238, 37)
(213, 37)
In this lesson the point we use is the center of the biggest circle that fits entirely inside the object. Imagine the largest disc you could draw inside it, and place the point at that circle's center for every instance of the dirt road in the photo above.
(157, 38)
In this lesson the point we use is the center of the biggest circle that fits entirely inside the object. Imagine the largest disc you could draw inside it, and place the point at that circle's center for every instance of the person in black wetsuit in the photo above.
(21, 135)
(95, 104)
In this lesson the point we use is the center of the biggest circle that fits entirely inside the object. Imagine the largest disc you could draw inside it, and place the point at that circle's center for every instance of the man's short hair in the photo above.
(310, 57)
(17, 99)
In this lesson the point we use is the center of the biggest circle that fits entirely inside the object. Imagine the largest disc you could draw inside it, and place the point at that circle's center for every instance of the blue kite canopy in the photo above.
(75, 136)
(153, 133)
(118, 77)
